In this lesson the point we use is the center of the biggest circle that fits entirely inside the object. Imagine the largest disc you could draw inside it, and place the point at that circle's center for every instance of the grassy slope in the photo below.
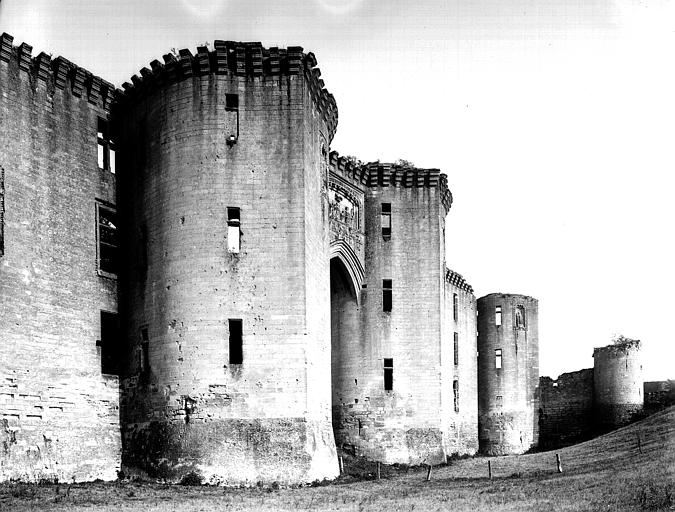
(607, 473)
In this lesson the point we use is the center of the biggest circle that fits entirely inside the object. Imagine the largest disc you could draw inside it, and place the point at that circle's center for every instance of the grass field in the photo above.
(607, 473)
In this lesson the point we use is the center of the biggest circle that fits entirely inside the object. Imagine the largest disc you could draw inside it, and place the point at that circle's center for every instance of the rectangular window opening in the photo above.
(233, 229)
(388, 374)
(498, 358)
(455, 393)
(386, 295)
(236, 344)
(455, 306)
(106, 148)
(456, 347)
(107, 239)
(386, 221)
(232, 102)
(498, 315)
(111, 353)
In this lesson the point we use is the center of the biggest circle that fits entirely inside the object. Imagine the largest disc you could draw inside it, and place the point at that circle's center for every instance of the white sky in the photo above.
(554, 120)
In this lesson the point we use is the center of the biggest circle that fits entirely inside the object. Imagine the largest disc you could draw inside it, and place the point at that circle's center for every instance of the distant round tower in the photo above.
(223, 164)
(617, 377)
(508, 373)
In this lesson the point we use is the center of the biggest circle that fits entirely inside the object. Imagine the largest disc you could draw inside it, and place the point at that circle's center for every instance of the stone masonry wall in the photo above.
(403, 424)
(59, 416)
(618, 383)
(460, 418)
(659, 394)
(566, 409)
(508, 397)
(268, 418)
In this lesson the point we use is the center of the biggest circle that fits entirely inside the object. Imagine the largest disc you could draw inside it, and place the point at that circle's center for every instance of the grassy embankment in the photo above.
(609, 473)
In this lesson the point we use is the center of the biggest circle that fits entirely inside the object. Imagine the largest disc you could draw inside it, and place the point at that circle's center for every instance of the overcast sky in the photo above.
(553, 119)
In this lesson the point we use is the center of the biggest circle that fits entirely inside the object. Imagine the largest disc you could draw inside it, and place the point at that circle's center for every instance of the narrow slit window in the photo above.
(109, 343)
(388, 374)
(232, 118)
(144, 354)
(455, 306)
(233, 229)
(386, 295)
(107, 239)
(456, 347)
(498, 358)
(498, 315)
(455, 393)
(236, 344)
(386, 221)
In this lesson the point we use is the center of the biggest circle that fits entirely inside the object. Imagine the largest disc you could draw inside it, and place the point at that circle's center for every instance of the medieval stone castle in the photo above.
(191, 281)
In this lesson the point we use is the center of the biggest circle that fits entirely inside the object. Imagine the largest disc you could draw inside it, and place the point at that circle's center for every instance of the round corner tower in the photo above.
(617, 382)
(222, 164)
(508, 373)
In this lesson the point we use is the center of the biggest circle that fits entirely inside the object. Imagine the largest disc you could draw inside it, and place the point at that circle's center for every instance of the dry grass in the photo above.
(608, 473)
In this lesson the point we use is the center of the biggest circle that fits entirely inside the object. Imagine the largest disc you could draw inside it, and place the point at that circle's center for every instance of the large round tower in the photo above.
(508, 373)
(617, 382)
(222, 167)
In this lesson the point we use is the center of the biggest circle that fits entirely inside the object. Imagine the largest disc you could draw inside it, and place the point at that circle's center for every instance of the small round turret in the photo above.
(617, 376)
(508, 373)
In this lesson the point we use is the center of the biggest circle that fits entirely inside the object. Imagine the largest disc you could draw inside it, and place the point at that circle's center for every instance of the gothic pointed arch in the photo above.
(343, 251)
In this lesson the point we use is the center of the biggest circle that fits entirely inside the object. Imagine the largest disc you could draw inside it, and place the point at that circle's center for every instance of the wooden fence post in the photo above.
(557, 462)
(429, 473)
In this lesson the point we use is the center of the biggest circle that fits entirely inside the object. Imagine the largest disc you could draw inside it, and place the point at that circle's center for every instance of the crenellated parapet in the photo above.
(377, 174)
(248, 60)
(456, 279)
(393, 175)
(57, 74)
(346, 168)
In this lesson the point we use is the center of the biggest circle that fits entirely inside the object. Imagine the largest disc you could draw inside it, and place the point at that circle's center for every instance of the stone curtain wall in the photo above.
(659, 394)
(59, 417)
(566, 409)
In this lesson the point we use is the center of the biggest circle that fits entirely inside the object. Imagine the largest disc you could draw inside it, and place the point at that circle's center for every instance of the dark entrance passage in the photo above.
(345, 355)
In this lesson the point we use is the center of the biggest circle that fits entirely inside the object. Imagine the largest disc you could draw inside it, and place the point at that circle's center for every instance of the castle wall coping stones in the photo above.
(58, 73)
(509, 295)
(618, 348)
(242, 59)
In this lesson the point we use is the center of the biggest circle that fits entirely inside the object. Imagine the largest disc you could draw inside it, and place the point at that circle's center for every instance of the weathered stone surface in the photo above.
(59, 416)
(508, 396)
(566, 412)
(617, 383)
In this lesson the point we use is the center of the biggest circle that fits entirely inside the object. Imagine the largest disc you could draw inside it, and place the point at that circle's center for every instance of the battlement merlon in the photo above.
(58, 73)
(393, 175)
(249, 59)
(456, 279)
(376, 174)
